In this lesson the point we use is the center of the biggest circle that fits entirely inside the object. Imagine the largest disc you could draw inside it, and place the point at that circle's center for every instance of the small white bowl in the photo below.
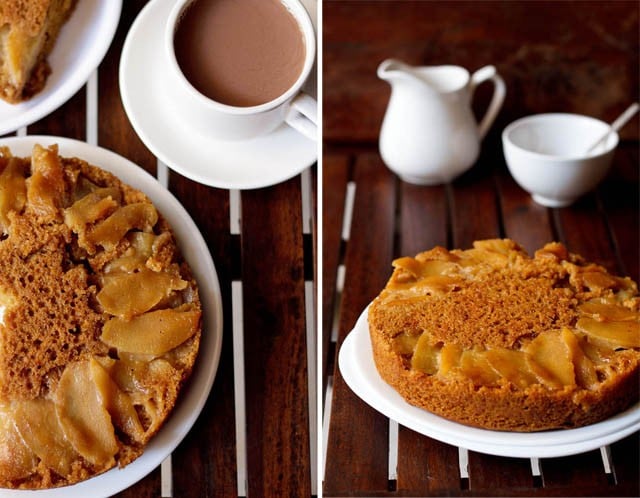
(546, 155)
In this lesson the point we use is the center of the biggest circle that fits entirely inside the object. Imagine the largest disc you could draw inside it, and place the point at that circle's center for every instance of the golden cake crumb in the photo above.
(28, 32)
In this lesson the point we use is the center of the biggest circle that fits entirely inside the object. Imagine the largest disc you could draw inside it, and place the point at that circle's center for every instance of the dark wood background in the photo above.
(555, 56)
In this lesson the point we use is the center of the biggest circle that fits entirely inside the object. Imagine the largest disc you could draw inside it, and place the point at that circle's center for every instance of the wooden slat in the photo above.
(584, 231)
(423, 218)
(625, 455)
(578, 471)
(115, 131)
(498, 475)
(204, 463)
(66, 121)
(426, 467)
(357, 452)
(148, 486)
(275, 342)
(621, 200)
(525, 221)
(335, 174)
(474, 210)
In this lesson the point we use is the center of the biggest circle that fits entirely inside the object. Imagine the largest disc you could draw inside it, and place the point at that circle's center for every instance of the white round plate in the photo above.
(359, 371)
(196, 253)
(248, 164)
(81, 45)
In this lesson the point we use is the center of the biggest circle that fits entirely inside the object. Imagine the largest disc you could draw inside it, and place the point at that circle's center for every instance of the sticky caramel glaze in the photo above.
(240, 53)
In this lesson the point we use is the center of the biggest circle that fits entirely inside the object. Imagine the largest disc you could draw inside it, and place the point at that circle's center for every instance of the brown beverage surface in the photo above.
(240, 52)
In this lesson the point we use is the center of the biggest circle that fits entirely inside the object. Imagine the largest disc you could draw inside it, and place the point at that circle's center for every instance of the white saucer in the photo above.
(359, 371)
(81, 45)
(255, 163)
(196, 253)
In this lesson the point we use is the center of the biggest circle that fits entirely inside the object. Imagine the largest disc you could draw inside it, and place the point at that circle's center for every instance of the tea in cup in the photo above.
(236, 68)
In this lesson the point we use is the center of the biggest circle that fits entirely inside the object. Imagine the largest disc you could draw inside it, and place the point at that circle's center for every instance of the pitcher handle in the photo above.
(481, 75)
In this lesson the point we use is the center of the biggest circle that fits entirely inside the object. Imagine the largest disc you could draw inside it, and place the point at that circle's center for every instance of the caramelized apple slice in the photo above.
(548, 358)
(426, 268)
(117, 403)
(38, 425)
(474, 366)
(13, 190)
(83, 418)
(107, 233)
(438, 284)
(499, 246)
(604, 312)
(158, 383)
(554, 250)
(599, 280)
(624, 334)
(512, 365)
(135, 257)
(130, 294)
(154, 333)
(46, 187)
(17, 461)
(449, 358)
(404, 344)
(92, 207)
(584, 368)
(597, 353)
(425, 356)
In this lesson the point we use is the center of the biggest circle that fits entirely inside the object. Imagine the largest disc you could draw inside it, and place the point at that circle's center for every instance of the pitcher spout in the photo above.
(437, 80)
(392, 70)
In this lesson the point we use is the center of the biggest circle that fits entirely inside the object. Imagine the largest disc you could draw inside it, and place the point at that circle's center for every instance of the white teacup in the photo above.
(221, 121)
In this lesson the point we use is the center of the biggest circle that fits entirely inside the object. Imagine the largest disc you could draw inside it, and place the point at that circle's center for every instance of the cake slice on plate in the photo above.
(28, 31)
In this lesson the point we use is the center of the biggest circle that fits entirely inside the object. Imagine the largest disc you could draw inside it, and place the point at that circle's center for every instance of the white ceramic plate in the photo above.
(359, 371)
(255, 163)
(81, 45)
(197, 254)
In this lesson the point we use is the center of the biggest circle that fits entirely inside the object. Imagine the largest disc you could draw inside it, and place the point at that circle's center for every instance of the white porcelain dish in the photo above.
(81, 45)
(255, 163)
(546, 155)
(359, 371)
(196, 253)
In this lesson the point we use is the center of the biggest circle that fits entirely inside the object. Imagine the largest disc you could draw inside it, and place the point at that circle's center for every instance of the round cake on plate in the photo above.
(100, 320)
(492, 338)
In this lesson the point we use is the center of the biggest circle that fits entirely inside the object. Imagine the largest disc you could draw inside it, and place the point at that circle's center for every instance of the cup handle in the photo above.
(303, 116)
(499, 92)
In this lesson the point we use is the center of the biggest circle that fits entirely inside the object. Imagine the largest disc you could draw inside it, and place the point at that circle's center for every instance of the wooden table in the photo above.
(370, 216)
(366, 454)
(256, 434)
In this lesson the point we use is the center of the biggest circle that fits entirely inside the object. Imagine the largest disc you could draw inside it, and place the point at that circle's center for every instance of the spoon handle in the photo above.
(617, 124)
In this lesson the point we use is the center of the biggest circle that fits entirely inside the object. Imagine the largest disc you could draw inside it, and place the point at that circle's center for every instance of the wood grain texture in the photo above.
(358, 438)
(335, 174)
(426, 466)
(205, 462)
(274, 342)
(115, 132)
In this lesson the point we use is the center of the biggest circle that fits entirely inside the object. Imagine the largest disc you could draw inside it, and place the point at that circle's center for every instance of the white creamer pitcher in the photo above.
(429, 134)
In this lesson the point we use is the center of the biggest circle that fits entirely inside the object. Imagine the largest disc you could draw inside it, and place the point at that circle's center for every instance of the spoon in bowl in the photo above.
(617, 124)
